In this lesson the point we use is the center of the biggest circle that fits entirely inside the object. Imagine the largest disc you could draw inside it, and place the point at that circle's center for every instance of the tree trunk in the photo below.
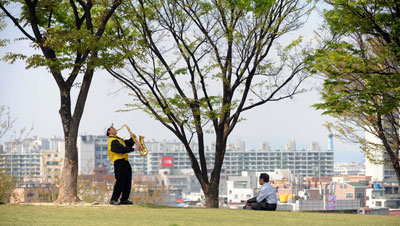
(211, 193)
(68, 186)
(68, 190)
(396, 167)
(211, 190)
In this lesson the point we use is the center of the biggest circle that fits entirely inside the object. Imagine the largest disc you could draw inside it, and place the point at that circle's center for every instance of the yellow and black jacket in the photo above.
(119, 148)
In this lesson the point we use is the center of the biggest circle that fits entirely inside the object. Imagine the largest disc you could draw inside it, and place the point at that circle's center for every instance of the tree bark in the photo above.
(211, 193)
(68, 187)
(211, 189)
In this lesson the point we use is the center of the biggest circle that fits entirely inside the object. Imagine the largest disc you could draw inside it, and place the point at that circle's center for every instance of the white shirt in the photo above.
(268, 192)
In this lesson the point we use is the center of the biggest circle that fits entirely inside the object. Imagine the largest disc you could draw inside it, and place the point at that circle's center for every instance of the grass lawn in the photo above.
(26, 214)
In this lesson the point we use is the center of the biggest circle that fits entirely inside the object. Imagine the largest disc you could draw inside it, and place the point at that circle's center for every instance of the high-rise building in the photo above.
(22, 166)
(21, 159)
(51, 164)
(381, 169)
(92, 151)
(301, 162)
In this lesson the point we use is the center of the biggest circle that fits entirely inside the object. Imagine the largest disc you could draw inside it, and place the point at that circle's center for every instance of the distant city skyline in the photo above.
(258, 147)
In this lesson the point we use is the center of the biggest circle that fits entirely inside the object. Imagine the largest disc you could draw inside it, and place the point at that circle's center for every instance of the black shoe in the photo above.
(112, 202)
(126, 202)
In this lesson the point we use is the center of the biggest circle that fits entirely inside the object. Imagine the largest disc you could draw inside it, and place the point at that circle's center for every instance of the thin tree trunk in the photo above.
(396, 168)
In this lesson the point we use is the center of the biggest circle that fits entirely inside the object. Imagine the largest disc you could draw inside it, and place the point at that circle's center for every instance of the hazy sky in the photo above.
(33, 98)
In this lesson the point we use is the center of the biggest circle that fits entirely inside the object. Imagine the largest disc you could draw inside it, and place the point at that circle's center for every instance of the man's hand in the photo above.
(138, 148)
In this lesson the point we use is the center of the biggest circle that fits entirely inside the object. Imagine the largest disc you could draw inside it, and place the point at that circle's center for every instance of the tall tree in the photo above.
(197, 65)
(360, 64)
(69, 35)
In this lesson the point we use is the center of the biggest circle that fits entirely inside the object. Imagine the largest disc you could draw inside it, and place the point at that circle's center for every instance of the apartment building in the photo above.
(51, 164)
(92, 152)
(21, 159)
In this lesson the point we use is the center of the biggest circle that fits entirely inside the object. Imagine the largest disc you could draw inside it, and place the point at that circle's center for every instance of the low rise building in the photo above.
(351, 191)
(376, 198)
(183, 180)
(349, 168)
(241, 188)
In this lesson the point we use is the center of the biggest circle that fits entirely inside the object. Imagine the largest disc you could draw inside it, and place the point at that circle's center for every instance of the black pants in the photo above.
(263, 206)
(123, 175)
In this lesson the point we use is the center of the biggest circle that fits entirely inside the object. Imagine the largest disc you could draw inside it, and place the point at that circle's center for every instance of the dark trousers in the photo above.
(263, 205)
(123, 175)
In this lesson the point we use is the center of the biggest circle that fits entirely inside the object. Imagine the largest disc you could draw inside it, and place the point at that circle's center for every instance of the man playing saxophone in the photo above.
(118, 150)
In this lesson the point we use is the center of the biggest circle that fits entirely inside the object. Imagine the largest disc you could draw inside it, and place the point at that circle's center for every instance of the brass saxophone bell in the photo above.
(142, 147)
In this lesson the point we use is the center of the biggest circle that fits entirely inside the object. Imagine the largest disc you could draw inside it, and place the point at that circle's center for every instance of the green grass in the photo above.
(25, 214)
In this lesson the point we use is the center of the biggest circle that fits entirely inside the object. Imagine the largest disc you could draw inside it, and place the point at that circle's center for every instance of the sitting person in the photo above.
(266, 199)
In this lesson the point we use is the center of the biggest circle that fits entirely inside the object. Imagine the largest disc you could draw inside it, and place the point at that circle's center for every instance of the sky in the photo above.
(33, 98)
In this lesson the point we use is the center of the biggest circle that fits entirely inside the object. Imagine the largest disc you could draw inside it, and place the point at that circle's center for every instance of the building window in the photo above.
(53, 163)
(349, 195)
(230, 192)
(378, 203)
(360, 195)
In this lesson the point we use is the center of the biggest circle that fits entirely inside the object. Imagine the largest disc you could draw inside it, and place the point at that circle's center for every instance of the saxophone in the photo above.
(142, 148)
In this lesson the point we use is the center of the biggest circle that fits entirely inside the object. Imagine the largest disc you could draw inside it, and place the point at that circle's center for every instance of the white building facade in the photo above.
(380, 170)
